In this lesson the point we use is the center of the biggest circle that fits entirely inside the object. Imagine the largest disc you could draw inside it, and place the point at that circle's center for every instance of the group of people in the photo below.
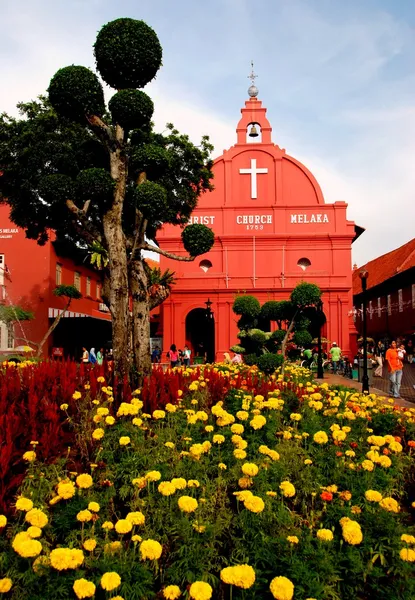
(176, 356)
(92, 357)
(398, 353)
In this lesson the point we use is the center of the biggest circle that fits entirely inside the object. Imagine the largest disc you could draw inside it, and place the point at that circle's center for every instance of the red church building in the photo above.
(273, 229)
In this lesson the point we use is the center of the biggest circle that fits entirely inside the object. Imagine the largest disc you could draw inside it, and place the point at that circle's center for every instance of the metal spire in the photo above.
(253, 90)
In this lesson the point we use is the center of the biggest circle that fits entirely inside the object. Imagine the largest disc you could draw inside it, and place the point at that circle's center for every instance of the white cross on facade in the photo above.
(253, 171)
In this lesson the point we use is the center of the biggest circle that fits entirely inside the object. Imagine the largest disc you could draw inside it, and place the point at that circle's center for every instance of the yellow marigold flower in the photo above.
(159, 414)
(112, 547)
(321, 437)
(242, 496)
(62, 559)
(153, 476)
(109, 420)
(198, 527)
(135, 518)
(179, 483)
(273, 455)
(384, 461)
(123, 526)
(84, 481)
(287, 435)
(171, 592)
(193, 483)
(101, 379)
(94, 507)
(389, 504)
(242, 576)
(287, 488)
(350, 453)
(407, 554)
(34, 532)
(368, 465)
(66, 489)
(124, 440)
(237, 429)
(408, 539)
(352, 532)
(107, 525)
(36, 517)
(339, 436)
(5, 585)
(171, 408)
(97, 418)
(90, 544)
(126, 409)
(102, 411)
(187, 504)
(258, 422)
(166, 488)
(82, 587)
(84, 516)
(254, 504)
(199, 590)
(222, 466)
(308, 461)
(295, 417)
(137, 421)
(150, 549)
(136, 538)
(24, 504)
(346, 495)
(110, 581)
(325, 535)
(282, 588)
(293, 539)
(98, 434)
(242, 415)
(240, 454)
(373, 496)
(218, 439)
(3, 521)
(209, 428)
(272, 494)
(250, 469)
(29, 456)
(395, 447)
(76, 395)
(169, 445)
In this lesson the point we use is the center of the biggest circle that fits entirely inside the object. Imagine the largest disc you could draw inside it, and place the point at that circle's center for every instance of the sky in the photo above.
(336, 77)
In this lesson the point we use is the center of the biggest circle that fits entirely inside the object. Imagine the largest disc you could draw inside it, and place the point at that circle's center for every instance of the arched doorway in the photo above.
(200, 333)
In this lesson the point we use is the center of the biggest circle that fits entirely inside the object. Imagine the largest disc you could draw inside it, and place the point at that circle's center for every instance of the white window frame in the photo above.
(379, 307)
(370, 309)
(400, 300)
(58, 274)
(389, 304)
(77, 280)
(88, 286)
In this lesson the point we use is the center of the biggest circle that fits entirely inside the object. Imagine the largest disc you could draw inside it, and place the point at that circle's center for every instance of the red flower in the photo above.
(339, 453)
(397, 438)
(386, 451)
(353, 444)
(411, 443)
(326, 496)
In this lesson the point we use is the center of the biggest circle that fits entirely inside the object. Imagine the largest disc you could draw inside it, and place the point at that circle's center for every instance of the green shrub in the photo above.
(268, 363)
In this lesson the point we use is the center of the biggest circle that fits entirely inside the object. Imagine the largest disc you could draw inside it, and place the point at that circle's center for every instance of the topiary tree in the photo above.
(303, 296)
(104, 180)
(70, 292)
(12, 314)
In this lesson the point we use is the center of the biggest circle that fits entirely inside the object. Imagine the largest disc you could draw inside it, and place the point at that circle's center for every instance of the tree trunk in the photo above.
(138, 282)
(285, 340)
(53, 327)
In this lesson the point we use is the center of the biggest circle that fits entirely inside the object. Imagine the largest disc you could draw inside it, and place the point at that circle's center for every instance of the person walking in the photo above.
(395, 367)
(335, 353)
(85, 356)
(187, 353)
(100, 356)
(379, 355)
(173, 356)
(92, 356)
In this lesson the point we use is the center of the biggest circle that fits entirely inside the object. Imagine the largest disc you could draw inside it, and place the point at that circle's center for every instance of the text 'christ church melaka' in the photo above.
(272, 228)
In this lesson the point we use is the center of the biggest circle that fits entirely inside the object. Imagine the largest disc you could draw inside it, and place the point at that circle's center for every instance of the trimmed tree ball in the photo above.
(151, 199)
(56, 188)
(131, 109)
(95, 184)
(128, 53)
(197, 239)
(247, 306)
(152, 159)
(76, 92)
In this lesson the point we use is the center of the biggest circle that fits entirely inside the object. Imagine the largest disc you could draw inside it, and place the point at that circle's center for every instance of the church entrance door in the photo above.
(200, 333)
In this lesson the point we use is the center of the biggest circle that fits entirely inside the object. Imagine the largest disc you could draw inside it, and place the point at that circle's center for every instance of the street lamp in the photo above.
(320, 373)
(365, 379)
(209, 313)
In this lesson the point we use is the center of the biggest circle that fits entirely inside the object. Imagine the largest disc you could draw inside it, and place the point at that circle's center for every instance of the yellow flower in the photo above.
(295, 417)
(5, 585)
(153, 476)
(242, 415)
(171, 592)
(107, 525)
(136, 518)
(321, 437)
(123, 526)
(109, 420)
(159, 414)
(193, 483)
(339, 436)
(171, 408)
(293, 539)
(222, 466)
(242, 576)
(84, 481)
(408, 539)
(136, 538)
(29, 456)
(272, 494)
(98, 434)
(258, 422)
(179, 483)
(254, 504)
(325, 535)
(395, 447)
(36, 517)
(62, 559)
(169, 445)
(352, 532)
(373, 496)
(218, 439)
(90, 544)
(240, 454)
(124, 440)
(166, 488)
(199, 590)
(84, 516)
(25, 546)
(24, 504)
(389, 504)
(237, 428)
(282, 588)
(368, 465)
(407, 554)
(3, 521)
(209, 428)
(308, 461)
(199, 528)
(250, 469)
(34, 531)
(94, 507)
(76, 395)
(187, 504)
(137, 422)
(287, 488)
(101, 379)
(84, 588)
(384, 461)
(110, 581)
(66, 489)
(102, 411)
(150, 549)
(112, 547)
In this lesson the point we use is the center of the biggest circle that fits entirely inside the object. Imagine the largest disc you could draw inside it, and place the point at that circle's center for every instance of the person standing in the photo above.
(173, 356)
(85, 356)
(156, 355)
(100, 356)
(92, 356)
(335, 353)
(186, 356)
(395, 367)
(379, 355)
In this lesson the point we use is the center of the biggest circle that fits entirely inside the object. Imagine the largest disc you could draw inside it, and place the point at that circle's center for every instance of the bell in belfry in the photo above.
(254, 132)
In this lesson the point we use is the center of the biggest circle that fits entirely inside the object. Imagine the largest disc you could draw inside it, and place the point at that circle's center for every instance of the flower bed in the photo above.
(224, 491)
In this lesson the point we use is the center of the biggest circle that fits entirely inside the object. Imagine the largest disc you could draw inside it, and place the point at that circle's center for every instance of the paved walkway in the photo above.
(339, 380)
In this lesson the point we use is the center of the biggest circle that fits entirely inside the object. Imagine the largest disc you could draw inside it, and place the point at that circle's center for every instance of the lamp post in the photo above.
(320, 373)
(365, 379)
(209, 313)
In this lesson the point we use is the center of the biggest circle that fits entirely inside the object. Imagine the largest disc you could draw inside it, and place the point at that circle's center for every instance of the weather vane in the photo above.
(253, 90)
(252, 75)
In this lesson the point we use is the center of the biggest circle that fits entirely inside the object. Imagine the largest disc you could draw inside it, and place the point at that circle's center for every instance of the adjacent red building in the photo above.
(273, 229)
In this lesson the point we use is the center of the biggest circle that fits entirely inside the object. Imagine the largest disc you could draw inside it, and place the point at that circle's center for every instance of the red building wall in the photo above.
(260, 236)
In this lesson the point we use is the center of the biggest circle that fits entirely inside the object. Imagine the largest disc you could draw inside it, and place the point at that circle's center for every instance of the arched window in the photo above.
(253, 133)
(205, 265)
(304, 263)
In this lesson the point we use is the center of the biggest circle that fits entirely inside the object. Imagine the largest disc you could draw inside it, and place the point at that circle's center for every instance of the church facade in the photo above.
(273, 229)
